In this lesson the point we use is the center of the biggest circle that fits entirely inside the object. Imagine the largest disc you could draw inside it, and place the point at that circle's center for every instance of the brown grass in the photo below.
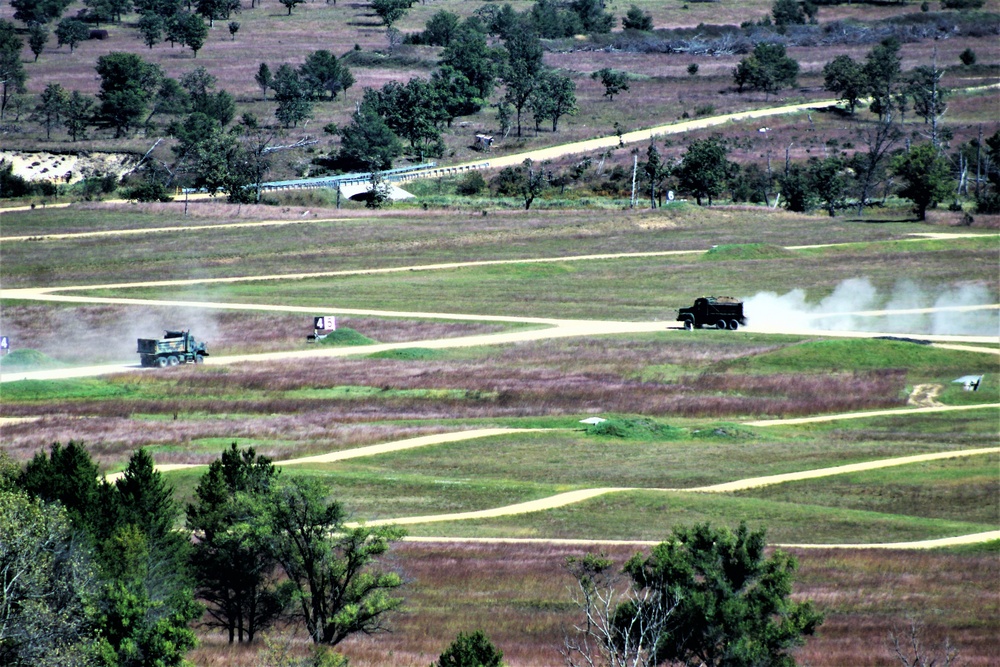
(519, 595)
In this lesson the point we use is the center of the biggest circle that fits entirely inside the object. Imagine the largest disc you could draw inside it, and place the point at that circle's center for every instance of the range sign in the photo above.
(4, 344)
(328, 323)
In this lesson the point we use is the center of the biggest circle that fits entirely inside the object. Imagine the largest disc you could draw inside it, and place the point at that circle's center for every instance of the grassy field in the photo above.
(696, 388)
(679, 401)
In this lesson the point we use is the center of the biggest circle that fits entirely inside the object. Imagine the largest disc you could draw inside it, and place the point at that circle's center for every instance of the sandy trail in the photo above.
(581, 495)
(871, 413)
(555, 328)
(163, 230)
(959, 540)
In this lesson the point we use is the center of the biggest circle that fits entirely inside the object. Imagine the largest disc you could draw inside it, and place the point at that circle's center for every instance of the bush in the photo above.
(472, 183)
(636, 429)
(961, 4)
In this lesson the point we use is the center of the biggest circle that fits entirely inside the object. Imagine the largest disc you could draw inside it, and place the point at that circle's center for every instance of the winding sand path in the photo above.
(552, 327)
(581, 495)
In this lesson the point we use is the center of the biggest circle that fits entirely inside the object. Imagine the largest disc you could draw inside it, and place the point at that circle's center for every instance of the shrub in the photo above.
(968, 57)
(961, 4)
(346, 336)
(471, 650)
(472, 183)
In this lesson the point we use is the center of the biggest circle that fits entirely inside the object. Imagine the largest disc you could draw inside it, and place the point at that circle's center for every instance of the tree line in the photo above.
(99, 573)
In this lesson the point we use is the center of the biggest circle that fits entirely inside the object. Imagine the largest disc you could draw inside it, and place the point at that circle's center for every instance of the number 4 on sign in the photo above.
(4, 343)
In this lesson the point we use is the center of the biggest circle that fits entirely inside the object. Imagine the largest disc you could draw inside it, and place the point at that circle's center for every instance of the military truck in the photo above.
(176, 347)
(721, 312)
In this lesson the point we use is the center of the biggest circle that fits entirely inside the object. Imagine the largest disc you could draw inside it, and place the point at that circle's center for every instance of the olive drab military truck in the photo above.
(176, 347)
(721, 312)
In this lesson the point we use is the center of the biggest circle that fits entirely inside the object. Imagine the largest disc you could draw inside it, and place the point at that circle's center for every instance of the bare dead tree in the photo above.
(620, 624)
(880, 137)
(911, 652)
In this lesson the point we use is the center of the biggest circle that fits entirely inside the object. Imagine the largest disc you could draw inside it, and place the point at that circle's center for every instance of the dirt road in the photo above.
(581, 495)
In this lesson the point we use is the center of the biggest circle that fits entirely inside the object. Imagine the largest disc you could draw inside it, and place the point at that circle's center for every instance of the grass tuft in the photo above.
(636, 429)
(28, 359)
(743, 251)
(407, 354)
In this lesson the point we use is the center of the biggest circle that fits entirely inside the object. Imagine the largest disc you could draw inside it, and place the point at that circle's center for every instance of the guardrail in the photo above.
(398, 175)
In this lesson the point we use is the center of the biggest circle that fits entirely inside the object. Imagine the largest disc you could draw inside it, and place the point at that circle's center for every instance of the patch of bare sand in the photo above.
(67, 167)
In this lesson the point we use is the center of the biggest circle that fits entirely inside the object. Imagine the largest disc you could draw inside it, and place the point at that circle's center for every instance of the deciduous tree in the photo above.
(332, 566)
(846, 77)
(613, 81)
(390, 11)
(926, 177)
(46, 586)
(522, 67)
(704, 169)
(323, 73)
(71, 32)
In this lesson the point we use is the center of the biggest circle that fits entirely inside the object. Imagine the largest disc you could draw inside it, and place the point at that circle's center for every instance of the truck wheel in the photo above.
(688, 325)
(199, 359)
(734, 325)
(721, 324)
(161, 362)
(173, 361)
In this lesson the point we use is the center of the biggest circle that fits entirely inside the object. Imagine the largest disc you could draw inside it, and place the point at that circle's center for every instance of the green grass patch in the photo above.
(961, 489)
(408, 354)
(862, 355)
(28, 359)
(65, 390)
(346, 336)
(613, 516)
(746, 251)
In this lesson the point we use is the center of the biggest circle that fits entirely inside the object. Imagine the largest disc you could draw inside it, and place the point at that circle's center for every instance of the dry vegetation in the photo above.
(520, 594)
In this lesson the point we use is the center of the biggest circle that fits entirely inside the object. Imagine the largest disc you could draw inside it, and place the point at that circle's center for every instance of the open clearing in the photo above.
(471, 436)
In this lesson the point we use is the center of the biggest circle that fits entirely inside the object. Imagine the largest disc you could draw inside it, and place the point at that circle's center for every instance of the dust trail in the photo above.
(856, 305)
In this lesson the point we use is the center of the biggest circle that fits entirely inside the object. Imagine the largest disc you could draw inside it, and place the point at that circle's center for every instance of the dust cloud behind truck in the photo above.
(176, 347)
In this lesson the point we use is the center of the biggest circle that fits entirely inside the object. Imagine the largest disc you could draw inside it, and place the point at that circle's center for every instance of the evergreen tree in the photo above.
(472, 649)
(369, 142)
(767, 69)
(51, 107)
(468, 53)
(292, 97)
(232, 561)
(636, 19)
(730, 602)
(127, 86)
(264, 78)
(12, 75)
(883, 70)
(78, 115)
